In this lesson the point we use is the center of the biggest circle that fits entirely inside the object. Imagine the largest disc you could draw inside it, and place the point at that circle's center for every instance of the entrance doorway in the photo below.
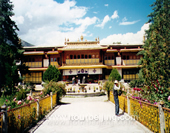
(80, 77)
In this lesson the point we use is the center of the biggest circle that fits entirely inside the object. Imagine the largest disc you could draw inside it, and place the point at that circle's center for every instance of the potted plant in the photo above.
(100, 88)
(70, 89)
(73, 90)
(98, 82)
(94, 89)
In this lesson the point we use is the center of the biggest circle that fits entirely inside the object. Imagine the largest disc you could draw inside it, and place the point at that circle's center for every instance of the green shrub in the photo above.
(21, 94)
(114, 75)
(52, 73)
(55, 87)
(108, 85)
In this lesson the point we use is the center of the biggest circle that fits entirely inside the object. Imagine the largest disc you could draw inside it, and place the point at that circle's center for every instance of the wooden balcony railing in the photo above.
(54, 63)
(33, 77)
(130, 76)
(109, 62)
(131, 62)
(34, 64)
(82, 61)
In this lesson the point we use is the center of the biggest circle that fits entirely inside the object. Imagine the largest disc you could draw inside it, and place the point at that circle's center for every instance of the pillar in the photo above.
(51, 94)
(4, 125)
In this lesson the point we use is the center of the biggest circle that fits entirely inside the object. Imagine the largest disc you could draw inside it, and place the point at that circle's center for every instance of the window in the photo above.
(89, 56)
(105, 57)
(85, 56)
(124, 57)
(71, 56)
(78, 56)
(51, 59)
(82, 56)
(127, 57)
(109, 58)
(112, 57)
(55, 59)
(29, 59)
(74, 56)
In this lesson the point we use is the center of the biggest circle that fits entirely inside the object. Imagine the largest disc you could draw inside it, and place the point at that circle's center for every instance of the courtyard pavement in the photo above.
(88, 115)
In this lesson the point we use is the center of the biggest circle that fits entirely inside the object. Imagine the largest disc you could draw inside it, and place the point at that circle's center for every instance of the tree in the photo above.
(52, 73)
(156, 55)
(114, 75)
(108, 86)
(10, 48)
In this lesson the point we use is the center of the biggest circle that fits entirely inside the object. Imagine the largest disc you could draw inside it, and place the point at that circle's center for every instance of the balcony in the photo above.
(131, 62)
(130, 76)
(33, 77)
(54, 63)
(34, 64)
(109, 62)
(82, 61)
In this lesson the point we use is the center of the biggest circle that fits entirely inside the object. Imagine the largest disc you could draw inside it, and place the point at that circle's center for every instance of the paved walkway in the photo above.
(88, 115)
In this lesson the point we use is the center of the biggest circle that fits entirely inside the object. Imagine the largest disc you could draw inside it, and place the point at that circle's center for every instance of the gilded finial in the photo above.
(81, 37)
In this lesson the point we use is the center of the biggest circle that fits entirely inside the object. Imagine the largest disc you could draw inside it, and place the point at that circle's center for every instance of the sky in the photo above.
(50, 22)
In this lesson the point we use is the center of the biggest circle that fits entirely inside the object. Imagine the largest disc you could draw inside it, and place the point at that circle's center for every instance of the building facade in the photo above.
(83, 59)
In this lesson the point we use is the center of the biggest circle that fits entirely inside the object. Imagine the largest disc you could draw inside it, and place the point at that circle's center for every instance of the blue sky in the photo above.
(49, 22)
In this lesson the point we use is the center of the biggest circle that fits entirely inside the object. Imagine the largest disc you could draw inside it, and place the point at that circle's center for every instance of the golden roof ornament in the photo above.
(81, 38)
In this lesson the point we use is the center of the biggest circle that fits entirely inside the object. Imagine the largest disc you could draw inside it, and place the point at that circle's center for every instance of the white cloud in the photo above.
(49, 23)
(95, 12)
(19, 19)
(128, 23)
(106, 4)
(131, 38)
(107, 18)
(110, 27)
(115, 15)
(124, 19)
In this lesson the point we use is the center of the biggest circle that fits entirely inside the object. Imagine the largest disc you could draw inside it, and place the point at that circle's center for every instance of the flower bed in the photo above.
(24, 116)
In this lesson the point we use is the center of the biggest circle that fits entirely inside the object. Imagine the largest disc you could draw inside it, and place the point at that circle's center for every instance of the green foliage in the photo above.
(108, 86)
(114, 75)
(52, 73)
(10, 48)
(21, 94)
(55, 87)
(137, 82)
(155, 63)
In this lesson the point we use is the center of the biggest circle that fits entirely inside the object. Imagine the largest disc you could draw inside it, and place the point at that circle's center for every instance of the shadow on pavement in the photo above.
(63, 103)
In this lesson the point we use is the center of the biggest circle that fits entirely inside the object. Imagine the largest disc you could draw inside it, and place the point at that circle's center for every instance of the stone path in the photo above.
(88, 115)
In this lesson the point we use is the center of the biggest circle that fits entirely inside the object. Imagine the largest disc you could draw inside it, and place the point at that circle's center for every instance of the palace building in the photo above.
(83, 58)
